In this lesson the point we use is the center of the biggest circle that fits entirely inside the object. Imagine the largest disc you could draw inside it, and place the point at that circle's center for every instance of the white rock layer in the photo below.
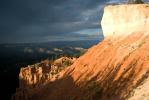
(123, 20)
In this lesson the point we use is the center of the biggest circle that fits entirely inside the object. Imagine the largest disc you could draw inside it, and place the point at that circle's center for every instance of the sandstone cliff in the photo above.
(112, 70)
(124, 20)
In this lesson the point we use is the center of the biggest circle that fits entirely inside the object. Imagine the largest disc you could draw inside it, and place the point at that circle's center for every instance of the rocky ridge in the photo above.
(112, 70)
(34, 76)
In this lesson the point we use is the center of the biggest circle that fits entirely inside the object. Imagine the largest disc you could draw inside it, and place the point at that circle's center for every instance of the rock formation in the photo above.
(34, 76)
(111, 70)
(123, 20)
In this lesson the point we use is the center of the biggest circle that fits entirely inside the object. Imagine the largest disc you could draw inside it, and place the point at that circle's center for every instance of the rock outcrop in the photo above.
(35, 76)
(123, 20)
(111, 70)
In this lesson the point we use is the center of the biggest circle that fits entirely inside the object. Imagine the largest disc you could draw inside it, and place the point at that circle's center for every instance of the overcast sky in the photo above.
(50, 20)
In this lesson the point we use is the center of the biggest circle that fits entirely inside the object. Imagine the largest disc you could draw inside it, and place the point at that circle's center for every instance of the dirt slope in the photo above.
(141, 92)
(108, 71)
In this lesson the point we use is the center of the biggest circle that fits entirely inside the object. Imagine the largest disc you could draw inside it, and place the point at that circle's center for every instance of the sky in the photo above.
(50, 20)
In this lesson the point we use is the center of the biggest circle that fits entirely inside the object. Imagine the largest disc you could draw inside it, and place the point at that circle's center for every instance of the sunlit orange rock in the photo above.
(110, 70)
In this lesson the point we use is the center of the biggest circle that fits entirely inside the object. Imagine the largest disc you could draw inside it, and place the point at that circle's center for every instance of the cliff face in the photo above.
(35, 76)
(125, 19)
(110, 70)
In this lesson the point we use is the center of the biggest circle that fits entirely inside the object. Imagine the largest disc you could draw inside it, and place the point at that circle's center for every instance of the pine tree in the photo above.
(135, 2)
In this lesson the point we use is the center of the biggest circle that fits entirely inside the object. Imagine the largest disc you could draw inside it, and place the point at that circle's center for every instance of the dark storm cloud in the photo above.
(32, 20)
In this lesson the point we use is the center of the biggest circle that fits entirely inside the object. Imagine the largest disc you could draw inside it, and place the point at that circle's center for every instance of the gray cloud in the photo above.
(33, 20)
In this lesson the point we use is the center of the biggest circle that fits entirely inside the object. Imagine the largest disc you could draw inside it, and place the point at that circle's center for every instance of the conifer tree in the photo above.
(135, 1)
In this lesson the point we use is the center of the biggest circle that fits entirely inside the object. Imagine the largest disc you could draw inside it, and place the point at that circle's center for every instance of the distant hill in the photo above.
(14, 56)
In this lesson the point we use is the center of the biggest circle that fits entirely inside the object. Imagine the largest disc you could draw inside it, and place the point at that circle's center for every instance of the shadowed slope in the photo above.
(108, 71)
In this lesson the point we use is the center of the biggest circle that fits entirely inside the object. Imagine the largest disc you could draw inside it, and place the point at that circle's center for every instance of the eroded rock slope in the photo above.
(111, 70)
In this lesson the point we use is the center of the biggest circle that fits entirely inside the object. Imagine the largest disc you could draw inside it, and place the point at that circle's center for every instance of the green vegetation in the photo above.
(135, 2)
(94, 91)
